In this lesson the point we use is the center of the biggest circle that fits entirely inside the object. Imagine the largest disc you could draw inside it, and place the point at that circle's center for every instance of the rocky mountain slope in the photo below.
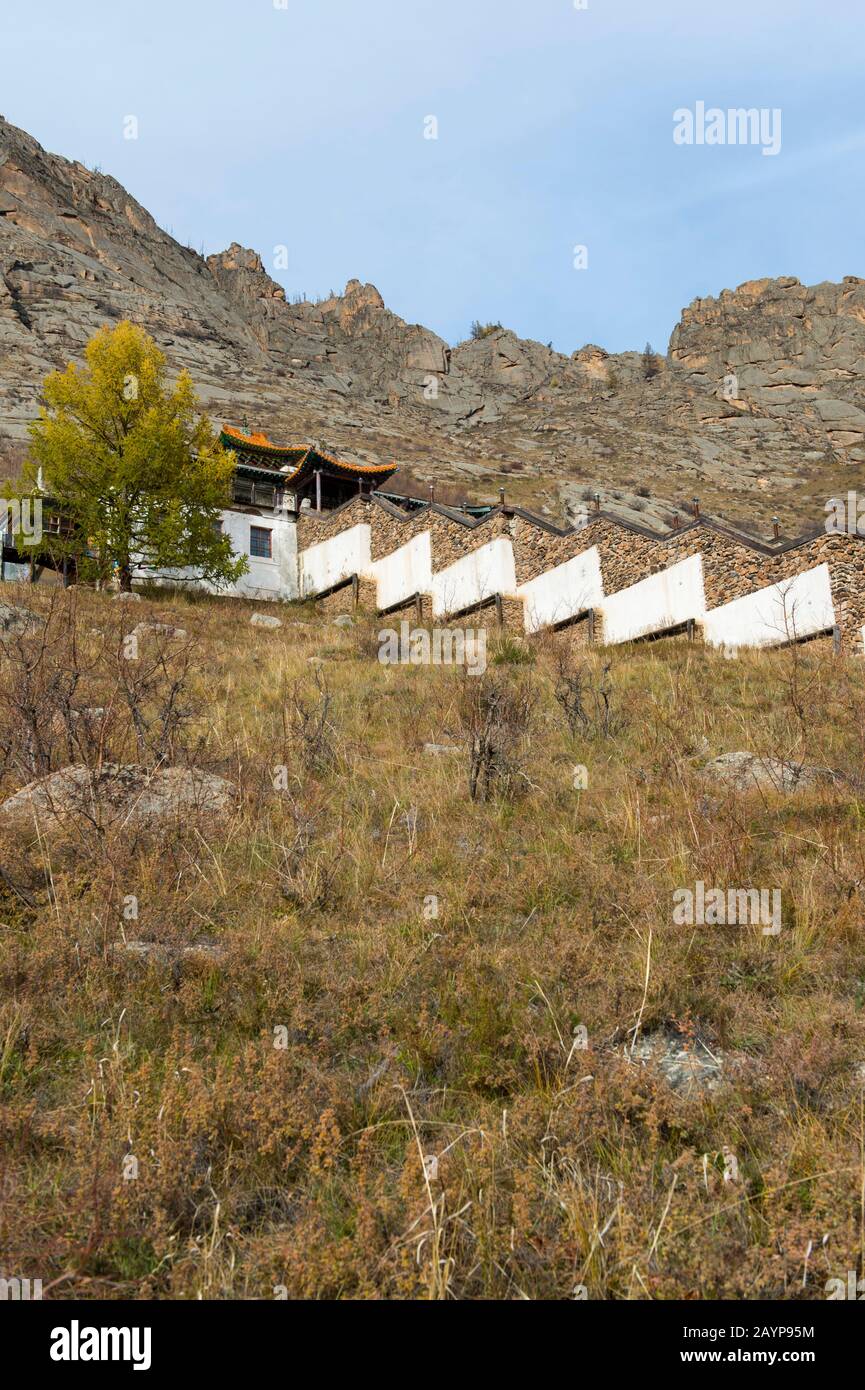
(758, 407)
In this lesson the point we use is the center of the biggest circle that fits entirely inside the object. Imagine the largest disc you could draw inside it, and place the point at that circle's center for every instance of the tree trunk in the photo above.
(125, 576)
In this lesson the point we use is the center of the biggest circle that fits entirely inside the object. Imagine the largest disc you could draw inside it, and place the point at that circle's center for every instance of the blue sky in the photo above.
(303, 126)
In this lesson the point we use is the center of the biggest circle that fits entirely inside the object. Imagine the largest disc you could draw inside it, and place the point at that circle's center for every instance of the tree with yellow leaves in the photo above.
(132, 467)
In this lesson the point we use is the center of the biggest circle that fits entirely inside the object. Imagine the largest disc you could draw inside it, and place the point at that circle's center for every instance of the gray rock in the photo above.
(124, 794)
(432, 750)
(841, 414)
(127, 598)
(18, 622)
(156, 951)
(343, 621)
(746, 772)
(162, 629)
(690, 1069)
(265, 620)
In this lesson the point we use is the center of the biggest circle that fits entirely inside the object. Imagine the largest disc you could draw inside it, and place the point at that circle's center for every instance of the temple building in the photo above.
(295, 477)
(273, 486)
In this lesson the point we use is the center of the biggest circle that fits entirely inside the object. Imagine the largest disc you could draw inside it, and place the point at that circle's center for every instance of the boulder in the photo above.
(690, 1068)
(18, 622)
(265, 620)
(746, 772)
(155, 951)
(162, 629)
(127, 794)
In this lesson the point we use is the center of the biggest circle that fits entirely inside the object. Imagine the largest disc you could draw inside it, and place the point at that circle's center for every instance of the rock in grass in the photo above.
(126, 795)
(18, 622)
(264, 620)
(156, 951)
(746, 772)
(689, 1068)
(163, 629)
(343, 621)
(127, 598)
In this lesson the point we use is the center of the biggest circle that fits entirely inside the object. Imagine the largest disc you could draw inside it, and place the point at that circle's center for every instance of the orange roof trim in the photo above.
(261, 441)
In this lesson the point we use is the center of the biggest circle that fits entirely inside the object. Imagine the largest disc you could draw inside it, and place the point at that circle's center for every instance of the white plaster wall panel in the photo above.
(329, 563)
(564, 592)
(404, 573)
(655, 604)
(783, 612)
(274, 578)
(475, 577)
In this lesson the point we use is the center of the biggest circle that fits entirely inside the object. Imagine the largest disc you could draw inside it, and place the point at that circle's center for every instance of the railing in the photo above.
(255, 494)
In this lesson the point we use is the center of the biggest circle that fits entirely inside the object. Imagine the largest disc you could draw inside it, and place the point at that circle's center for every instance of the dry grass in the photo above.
(374, 1094)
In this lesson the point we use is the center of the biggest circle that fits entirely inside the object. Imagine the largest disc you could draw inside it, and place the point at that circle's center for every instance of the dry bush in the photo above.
(73, 696)
(308, 860)
(584, 696)
(309, 728)
(495, 717)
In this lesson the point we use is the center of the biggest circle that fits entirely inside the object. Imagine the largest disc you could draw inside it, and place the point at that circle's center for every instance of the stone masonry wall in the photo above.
(732, 567)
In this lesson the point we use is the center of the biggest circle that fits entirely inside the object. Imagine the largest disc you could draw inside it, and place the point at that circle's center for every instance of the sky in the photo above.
(457, 153)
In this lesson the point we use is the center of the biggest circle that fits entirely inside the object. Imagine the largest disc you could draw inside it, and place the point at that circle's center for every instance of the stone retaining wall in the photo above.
(733, 566)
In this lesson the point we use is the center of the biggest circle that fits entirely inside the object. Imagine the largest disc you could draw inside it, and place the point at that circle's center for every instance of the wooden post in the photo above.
(318, 489)
(591, 622)
(418, 607)
(691, 629)
(776, 529)
(355, 590)
(500, 612)
(836, 640)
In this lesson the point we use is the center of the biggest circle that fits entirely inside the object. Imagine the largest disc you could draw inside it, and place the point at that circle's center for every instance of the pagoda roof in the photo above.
(296, 462)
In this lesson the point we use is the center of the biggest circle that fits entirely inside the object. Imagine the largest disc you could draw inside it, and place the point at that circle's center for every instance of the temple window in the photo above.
(260, 542)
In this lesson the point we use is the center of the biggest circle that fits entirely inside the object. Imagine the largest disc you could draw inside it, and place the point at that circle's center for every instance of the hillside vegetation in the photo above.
(421, 1047)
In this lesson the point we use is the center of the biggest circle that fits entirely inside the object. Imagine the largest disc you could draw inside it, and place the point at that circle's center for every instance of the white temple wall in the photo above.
(655, 604)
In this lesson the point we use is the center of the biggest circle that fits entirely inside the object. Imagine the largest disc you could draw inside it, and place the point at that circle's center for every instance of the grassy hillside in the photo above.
(350, 1089)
